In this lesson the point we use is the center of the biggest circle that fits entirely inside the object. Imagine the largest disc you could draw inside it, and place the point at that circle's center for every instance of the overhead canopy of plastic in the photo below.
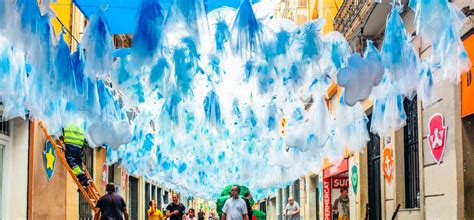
(121, 14)
(229, 96)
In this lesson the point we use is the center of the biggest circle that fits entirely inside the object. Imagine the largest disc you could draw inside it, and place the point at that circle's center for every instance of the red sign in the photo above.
(387, 164)
(340, 182)
(334, 170)
(437, 136)
(327, 199)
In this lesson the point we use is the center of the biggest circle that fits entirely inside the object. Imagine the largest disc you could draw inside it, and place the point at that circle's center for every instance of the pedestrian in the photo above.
(341, 206)
(111, 206)
(212, 214)
(73, 137)
(234, 207)
(191, 215)
(154, 213)
(247, 196)
(201, 215)
(175, 210)
(292, 209)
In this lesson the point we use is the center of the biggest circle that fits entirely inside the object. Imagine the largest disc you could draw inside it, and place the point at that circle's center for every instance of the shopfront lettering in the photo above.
(340, 182)
(327, 199)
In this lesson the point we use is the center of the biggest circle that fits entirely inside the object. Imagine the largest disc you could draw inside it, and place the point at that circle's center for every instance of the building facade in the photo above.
(26, 191)
(395, 176)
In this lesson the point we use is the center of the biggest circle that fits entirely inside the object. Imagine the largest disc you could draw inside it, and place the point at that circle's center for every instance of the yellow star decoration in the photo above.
(50, 159)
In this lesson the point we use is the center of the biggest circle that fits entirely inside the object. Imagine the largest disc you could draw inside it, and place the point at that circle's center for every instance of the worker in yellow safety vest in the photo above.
(73, 137)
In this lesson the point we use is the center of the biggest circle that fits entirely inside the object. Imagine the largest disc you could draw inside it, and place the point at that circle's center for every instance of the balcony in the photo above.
(349, 13)
(359, 20)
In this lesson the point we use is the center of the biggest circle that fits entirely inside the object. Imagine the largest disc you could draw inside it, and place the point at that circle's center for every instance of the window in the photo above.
(110, 175)
(4, 127)
(158, 201)
(263, 206)
(410, 139)
(302, 3)
(165, 198)
(296, 191)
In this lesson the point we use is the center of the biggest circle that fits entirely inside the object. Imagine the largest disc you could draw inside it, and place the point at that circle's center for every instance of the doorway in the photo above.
(85, 212)
(373, 168)
(133, 187)
(2, 146)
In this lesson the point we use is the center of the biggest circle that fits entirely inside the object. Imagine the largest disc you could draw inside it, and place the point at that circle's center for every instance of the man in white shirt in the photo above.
(292, 210)
(234, 207)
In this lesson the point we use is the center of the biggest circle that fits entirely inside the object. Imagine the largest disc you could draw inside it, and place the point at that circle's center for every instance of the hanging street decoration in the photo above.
(437, 136)
(49, 159)
(207, 98)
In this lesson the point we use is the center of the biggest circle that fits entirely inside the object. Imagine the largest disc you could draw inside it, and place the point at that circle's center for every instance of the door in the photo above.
(85, 211)
(2, 146)
(133, 186)
(373, 169)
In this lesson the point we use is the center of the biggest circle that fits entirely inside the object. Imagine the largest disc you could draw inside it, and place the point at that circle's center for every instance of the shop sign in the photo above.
(387, 164)
(327, 198)
(105, 175)
(49, 160)
(437, 136)
(354, 178)
(340, 182)
(334, 170)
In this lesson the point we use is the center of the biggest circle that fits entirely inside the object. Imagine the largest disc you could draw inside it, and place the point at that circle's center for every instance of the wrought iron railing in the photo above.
(348, 13)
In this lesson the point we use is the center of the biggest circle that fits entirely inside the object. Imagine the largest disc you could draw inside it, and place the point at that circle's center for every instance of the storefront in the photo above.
(335, 178)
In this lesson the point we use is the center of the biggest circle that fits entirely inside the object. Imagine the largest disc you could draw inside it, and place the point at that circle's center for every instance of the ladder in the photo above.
(91, 192)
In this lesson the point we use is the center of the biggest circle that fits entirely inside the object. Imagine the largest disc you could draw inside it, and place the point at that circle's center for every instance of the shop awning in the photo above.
(121, 14)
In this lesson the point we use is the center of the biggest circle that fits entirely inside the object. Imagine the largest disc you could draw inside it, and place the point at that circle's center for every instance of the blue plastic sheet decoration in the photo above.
(388, 113)
(159, 74)
(147, 37)
(425, 88)
(77, 60)
(5, 63)
(278, 50)
(13, 81)
(212, 108)
(398, 55)
(64, 69)
(121, 74)
(340, 50)
(246, 32)
(203, 101)
(351, 126)
(98, 45)
(187, 18)
(360, 75)
(220, 22)
(439, 23)
(3, 13)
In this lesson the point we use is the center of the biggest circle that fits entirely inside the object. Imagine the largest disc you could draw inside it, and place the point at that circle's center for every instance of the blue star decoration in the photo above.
(49, 160)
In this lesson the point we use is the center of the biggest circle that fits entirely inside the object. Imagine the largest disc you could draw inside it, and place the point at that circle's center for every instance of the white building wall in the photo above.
(15, 172)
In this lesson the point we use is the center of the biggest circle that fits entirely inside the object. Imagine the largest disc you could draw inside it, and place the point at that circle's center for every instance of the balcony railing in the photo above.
(348, 13)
